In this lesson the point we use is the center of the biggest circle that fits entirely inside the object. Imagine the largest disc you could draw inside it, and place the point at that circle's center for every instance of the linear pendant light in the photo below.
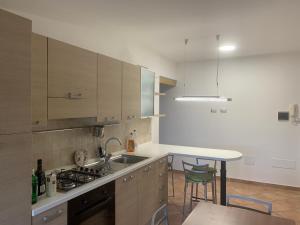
(216, 98)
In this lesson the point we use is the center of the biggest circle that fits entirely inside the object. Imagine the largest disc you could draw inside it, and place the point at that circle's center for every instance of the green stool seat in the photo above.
(199, 178)
(206, 177)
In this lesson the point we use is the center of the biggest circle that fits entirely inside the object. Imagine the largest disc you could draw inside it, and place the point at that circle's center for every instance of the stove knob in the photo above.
(97, 171)
(86, 170)
(92, 170)
(81, 168)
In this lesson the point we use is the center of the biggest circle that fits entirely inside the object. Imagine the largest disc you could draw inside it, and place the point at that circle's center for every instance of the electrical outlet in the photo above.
(283, 163)
(223, 110)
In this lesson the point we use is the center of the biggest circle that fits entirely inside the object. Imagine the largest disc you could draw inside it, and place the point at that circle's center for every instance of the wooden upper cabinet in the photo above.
(131, 92)
(39, 80)
(72, 81)
(15, 48)
(109, 89)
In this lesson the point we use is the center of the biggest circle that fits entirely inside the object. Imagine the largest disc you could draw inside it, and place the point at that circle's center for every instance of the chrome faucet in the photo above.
(109, 140)
(108, 156)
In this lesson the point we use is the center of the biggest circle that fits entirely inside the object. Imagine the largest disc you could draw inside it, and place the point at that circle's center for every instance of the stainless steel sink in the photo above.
(128, 159)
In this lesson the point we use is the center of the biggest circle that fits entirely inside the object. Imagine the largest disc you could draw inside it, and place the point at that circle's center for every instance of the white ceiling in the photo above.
(255, 26)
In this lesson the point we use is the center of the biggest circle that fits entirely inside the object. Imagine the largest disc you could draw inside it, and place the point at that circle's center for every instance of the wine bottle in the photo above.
(41, 178)
(34, 188)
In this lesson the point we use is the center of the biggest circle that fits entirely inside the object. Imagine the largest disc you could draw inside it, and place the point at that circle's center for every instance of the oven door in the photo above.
(92, 209)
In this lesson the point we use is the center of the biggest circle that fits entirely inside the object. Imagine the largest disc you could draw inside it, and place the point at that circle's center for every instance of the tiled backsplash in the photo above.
(57, 148)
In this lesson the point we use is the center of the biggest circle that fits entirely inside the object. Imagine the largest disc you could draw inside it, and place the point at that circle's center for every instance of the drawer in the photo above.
(54, 216)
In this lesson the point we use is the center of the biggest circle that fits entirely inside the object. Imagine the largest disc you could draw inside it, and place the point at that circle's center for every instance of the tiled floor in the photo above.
(286, 203)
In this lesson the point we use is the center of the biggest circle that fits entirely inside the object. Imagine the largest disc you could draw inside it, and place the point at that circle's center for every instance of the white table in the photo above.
(221, 155)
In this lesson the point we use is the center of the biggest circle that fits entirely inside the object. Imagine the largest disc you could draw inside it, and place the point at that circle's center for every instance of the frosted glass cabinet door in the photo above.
(147, 92)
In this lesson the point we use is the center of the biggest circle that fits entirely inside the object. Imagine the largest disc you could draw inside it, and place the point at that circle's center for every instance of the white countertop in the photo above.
(154, 152)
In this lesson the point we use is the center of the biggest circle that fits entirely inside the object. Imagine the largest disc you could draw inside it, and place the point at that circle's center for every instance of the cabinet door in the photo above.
(148, 193)
(131, 93)
(72, 81)
(39, 80)
(15, 179)
(109, 89)
(162, 181)
(15, 42)
(147, 92)
(127, 204)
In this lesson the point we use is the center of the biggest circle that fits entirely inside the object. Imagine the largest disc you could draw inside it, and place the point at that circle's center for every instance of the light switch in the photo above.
(213, 110)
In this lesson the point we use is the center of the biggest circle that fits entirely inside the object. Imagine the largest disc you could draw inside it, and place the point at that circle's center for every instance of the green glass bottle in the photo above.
(34, 188)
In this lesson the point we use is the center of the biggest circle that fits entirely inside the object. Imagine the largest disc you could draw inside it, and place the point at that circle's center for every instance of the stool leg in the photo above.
(213, 191)
(197, 192)
(173, 182)
(205, 191)
(192, 190)
(183, 210)
(215, 181)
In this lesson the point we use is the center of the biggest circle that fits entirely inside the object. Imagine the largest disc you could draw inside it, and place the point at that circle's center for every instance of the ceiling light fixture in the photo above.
(216, 98)
(227, 48)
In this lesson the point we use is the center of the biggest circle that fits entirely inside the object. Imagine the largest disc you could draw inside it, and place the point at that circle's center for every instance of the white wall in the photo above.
(260, 87)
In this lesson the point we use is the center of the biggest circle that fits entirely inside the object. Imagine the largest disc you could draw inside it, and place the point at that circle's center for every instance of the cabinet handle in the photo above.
(112, 117)
(70, 95)
(125, 180)
(161, 174)
(47, 219)
(131, 177)
(146, 169)
(37, 122)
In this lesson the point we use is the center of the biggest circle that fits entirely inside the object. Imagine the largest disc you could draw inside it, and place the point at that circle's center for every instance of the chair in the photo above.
(214, 171)
(197, 174)
(170, 168)
(160, 216)
(268, 205)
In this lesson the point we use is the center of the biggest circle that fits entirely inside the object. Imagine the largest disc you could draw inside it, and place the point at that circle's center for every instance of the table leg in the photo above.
(223, 183)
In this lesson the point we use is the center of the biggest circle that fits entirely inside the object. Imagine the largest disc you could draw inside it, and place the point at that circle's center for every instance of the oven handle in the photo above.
(93, 209)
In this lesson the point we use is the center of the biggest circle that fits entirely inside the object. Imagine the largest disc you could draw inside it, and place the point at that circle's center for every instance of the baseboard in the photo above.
(286, 187)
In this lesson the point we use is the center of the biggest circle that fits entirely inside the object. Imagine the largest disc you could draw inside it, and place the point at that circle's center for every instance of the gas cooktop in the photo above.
(73, 178)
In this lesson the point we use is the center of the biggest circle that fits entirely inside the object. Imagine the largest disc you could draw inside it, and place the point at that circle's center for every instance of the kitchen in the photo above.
(79, 88)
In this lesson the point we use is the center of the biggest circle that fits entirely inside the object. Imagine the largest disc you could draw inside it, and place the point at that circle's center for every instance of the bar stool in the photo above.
(197, 174)
(214, 171)
(170, 168)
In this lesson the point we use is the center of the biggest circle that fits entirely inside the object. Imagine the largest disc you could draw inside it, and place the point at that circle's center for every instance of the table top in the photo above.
(211, 214)
(204, 153)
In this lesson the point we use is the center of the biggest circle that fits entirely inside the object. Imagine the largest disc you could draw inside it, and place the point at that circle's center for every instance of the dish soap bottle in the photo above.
(40, 178)
(34, 188)
(130, 143)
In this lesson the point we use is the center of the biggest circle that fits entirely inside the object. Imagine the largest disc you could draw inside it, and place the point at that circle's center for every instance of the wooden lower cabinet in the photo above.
(15, 177)
(54, 216)
(127, 199)
(141, 193)
(148, 193)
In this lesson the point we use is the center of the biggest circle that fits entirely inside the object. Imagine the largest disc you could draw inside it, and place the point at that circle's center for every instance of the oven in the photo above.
(96, 207)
